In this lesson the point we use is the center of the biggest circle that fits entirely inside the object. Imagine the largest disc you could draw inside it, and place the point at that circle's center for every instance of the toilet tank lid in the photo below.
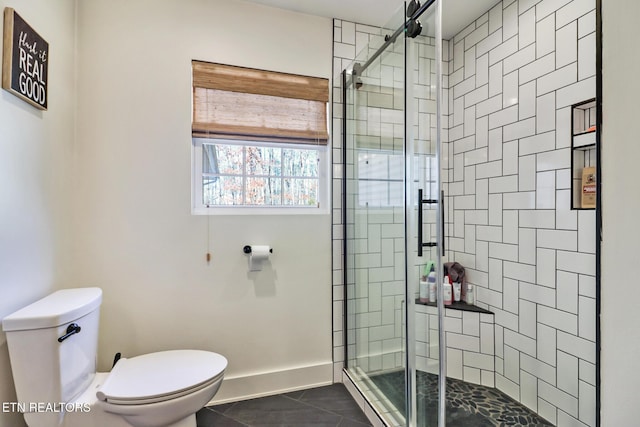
(57, 309)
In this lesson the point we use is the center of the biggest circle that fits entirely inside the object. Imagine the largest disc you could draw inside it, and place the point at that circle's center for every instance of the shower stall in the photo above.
(420, 188)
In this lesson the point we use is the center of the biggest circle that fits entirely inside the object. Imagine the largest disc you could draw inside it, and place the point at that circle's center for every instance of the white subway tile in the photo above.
(495, 144)
(527, 319)
(551, 160)
(562, 400)
(520, 342)
(495, 209)
(476, 96)
(510, 227)
(577, 262)
(495, 271)
(527, 173)
(476, 36)
(579, 347)
(577, 92)
(507, 48)
(567, 373)
(465, 202)
(489, 233)
(488, 296)
(482, 72)
(587, 24)
(587, 372)
(518, 271)
(573, 11)
(495, 18)
(471, 323)
(519, 59)
(547, 411)
(566, 218)
(560, 78)
(538, 368)
(503, 184)
(512, 364)
(546, 267)
(470, 123)
(527, 245)
(491, 105)
(567, 292)
(526, 28)
(520, 129)
(538, 143)
(521, 200)
(546, 190)
(464, 342)
(563, 127)
(546, 342)
(546, 40)
(464, 87)
(499, 334)
(538, 294)
(566, 46)
(471, 375)
(508, 387)
(510, 295)
(454, 363)
(495, 82)
(587, 56)
(537, 218)
(527, 100)
(482, 199)
(476, 217)
(502, 251)
(563, 179)
(489, 169)
(482, 255)
(536, 69)
(510, 89)
(470, 63)
(528, 390)
(558, 239)
(510, 158)
(587, 318)
(503, 117)
(587, 286)
(478, 360)
(546, 7)
(510, 21)
(586, 412)
(469, 238)
(546, 113)
(493, 40)
(558, 319)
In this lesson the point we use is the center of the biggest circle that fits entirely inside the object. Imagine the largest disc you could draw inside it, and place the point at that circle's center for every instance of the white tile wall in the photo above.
(537, 254)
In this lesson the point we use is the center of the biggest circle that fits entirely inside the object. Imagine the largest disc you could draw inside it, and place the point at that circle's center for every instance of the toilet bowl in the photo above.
(52, 347)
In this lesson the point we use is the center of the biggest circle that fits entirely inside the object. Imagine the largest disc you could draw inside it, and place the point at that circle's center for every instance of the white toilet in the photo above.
(53, 345)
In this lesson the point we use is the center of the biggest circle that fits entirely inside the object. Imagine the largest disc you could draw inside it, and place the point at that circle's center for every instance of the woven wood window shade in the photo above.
(244, 103)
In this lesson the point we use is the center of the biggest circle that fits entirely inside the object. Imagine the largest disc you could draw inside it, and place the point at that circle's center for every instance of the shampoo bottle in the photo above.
(431, 282)
(447, 291)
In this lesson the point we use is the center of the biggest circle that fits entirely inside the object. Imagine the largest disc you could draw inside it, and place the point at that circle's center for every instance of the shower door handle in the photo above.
(421, 202)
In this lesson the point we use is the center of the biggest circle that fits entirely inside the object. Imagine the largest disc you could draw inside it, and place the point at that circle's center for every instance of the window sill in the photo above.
(255, 210)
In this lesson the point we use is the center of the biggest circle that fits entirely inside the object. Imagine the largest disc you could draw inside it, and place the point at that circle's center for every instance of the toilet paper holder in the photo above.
(247, 249)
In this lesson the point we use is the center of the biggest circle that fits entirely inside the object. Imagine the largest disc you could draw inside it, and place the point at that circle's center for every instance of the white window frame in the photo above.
(198, 208)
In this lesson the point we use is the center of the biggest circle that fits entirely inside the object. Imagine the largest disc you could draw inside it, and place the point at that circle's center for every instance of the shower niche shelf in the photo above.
(458, 305)
(583, 155)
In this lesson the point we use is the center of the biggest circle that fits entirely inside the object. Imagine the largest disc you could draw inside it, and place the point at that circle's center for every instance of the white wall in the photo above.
(620, 153)
(136, 236)
(36, 156)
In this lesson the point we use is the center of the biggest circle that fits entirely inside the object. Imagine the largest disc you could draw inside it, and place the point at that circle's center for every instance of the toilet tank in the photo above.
(44, 368)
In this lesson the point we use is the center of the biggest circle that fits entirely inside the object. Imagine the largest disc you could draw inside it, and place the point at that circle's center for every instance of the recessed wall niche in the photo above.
(583, 155)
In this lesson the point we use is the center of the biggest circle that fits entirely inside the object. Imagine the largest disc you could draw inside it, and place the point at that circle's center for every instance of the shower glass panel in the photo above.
(390, 156)
(375, 208)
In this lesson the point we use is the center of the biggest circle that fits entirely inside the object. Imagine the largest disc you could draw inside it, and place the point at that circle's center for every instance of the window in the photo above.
(259, 139)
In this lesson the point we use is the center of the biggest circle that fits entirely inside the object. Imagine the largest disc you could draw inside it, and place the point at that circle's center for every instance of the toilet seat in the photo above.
(161, 376)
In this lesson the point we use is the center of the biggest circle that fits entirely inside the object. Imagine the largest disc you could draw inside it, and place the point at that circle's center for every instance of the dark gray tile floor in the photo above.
(330, 406)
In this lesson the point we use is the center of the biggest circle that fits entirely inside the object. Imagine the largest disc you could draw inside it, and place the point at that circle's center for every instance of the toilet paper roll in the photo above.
(259, 254)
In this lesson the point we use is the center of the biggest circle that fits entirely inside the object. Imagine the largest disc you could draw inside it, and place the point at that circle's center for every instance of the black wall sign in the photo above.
(25, 60)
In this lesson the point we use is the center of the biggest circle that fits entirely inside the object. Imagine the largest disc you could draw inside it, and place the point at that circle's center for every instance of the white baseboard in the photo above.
(245, 387)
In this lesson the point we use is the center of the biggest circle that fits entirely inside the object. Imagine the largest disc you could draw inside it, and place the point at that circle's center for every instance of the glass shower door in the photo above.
(375, 229)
